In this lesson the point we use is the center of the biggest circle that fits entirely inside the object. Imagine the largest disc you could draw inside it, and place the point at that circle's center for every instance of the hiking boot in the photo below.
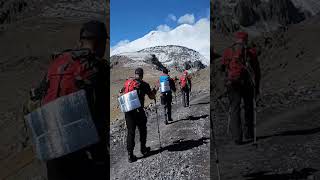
(145, 151)
(132, 158)
(170, 119)
(166, 122)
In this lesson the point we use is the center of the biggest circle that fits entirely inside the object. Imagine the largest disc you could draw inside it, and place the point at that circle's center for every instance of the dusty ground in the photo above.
(288, 115)
(185, 144)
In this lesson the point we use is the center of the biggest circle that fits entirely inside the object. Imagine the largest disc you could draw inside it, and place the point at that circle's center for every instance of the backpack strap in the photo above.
(61, 71)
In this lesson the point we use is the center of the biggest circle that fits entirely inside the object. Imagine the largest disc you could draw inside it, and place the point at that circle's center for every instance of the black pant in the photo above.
(76, 165)
(185, 97)
(236, 93)
(166, 100)
(136, 118)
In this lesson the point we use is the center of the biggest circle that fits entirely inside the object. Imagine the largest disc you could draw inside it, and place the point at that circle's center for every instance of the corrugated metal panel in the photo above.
(62, 126)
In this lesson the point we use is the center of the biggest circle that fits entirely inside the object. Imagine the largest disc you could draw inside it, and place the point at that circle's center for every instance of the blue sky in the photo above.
(132, 19)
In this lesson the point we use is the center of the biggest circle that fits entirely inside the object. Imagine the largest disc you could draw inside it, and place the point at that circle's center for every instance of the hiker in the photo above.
(185, 85)
(240, 63)
(71, 71)
(167, 85)
(137, 117)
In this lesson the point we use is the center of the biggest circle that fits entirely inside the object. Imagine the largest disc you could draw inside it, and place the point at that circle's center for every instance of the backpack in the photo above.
(235, 64)
(184, 81)
(68, 72)
(164, 83)
(130, 85)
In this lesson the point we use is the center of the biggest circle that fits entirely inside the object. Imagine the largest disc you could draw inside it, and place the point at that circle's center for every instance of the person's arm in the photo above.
(38, 92)
(121, 91)
(172, 85)
(151, 93)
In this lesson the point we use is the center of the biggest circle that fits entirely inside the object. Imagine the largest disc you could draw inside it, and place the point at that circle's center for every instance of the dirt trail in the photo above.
(185, 144)
(288, 144)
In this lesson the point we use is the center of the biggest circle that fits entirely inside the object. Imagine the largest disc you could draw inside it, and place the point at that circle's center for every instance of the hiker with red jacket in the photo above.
(242, 81)
(70, 72)
(167, 85)
(185, 85)
(136, 117)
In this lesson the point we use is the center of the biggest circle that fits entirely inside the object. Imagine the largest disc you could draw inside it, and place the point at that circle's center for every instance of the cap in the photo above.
(93, 30)
(139, 71)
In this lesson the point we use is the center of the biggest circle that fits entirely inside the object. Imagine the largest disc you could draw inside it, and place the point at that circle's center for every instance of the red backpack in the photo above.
(63, 73)
(130, 85)
(183, 81)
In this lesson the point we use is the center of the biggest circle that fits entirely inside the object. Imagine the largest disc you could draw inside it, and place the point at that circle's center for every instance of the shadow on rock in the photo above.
(179, 146)
(192, 118)
(266, 175)
(293, 133)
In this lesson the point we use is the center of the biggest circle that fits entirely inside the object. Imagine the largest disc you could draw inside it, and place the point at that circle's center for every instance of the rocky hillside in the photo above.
(29, 33)
(261, 15)
(15, 10)
(160, 56)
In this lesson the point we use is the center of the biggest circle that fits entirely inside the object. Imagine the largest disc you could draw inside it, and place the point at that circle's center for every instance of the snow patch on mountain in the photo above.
(170, 56)
(195, 36)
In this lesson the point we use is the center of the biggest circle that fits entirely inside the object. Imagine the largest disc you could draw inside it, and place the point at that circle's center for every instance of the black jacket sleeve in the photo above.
(37, 93)
(172, 85)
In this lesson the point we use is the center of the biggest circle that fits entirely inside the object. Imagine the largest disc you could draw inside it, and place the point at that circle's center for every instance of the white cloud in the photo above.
(195, 36)
(186, 19)
(172, 17)
(163, 27)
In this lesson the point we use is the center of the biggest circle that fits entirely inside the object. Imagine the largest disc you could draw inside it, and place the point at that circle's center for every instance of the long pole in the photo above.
(251, 72)
(155, 103)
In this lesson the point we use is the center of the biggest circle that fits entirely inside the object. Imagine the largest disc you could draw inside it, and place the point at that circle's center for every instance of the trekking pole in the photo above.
(251, 72)
(155, 103)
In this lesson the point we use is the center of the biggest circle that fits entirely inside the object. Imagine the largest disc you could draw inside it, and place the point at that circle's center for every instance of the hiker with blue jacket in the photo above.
(167, 85)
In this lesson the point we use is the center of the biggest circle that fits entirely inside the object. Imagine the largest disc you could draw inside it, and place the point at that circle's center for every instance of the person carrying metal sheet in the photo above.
(70, 72)
(166, 87)
(131, 99)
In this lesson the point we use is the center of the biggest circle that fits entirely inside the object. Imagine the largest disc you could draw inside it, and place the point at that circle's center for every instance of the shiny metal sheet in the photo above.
(62, 126)
(129, 101)
(164, 86)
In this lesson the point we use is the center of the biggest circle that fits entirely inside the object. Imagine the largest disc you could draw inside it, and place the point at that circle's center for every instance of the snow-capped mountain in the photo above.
(169, 56)
(194, 36)
(172, 54)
